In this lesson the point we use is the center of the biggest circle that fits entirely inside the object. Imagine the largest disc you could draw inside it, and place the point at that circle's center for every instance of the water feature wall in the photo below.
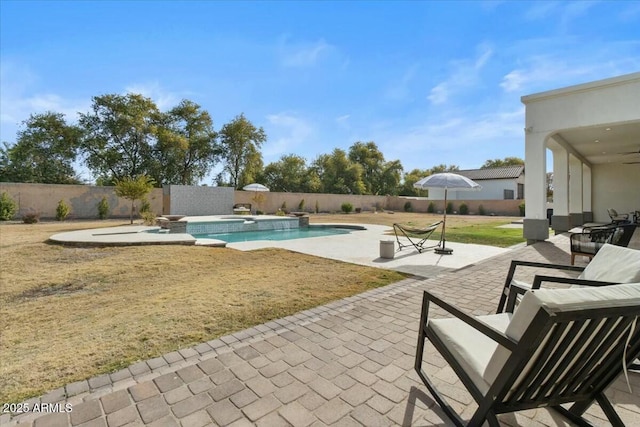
(240, 225)
(194, 201)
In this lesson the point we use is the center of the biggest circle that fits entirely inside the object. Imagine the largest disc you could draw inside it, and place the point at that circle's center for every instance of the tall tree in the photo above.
(337, 174)
(289, 174)
(120, 135)
(187, 146)
(410, 178)
(378, 175)
(507, 161)
(240, 142)
(44, 151)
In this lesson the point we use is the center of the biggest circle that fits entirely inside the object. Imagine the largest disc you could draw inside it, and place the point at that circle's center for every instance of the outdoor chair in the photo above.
(611, 265)
(417, 242)
(615, 218)
(560, 346)
(589, 242)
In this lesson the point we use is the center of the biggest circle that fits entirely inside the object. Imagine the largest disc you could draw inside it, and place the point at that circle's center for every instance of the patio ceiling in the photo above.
(617, 143)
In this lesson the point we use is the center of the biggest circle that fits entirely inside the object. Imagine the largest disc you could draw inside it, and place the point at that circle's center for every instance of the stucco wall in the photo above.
(615, 186)
(270, 202)
(83, 199)
(491, 207)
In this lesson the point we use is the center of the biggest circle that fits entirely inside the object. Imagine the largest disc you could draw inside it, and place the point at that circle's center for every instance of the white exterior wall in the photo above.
(492, 189)
(615, 186)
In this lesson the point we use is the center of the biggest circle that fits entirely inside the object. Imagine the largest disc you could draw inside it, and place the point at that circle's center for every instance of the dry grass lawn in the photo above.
(71, 313)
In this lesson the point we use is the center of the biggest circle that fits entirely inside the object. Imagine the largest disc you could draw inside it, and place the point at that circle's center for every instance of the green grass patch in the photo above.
(485, 234)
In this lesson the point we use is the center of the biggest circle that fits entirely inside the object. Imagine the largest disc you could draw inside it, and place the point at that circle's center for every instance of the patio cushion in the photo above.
(471, 349)
(614, 264)
(563, 300)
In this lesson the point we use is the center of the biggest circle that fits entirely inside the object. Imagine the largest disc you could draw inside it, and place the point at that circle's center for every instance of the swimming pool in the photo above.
(293, 233)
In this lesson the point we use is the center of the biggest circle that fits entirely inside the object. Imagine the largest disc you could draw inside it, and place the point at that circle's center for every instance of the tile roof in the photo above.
(505, 172)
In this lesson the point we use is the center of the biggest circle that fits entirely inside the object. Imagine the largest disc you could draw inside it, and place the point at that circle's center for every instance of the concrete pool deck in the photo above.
(358, 247)
(347, 363)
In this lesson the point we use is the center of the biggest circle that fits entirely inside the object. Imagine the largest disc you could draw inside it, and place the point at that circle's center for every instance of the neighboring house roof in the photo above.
(505, 172)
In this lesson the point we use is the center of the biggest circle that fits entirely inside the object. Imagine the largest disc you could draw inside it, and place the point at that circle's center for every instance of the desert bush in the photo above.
(481, 210)
(346, 207)
(280, 212)
(148, 217)
(145, 206)
(62, 210)
(464, 209)
(450, 207)
(301, 205)
(431, 208)
(8, 207)
(103, 208)
(408, 207)
(31, 218)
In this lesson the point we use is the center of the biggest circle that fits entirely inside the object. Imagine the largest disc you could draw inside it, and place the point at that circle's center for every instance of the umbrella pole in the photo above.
(443, 250)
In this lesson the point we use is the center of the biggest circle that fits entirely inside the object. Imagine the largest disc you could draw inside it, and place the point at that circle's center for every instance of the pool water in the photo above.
(287, 234)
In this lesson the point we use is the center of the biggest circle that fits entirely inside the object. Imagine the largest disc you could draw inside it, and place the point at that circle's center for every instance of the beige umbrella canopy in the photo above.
(447, 181)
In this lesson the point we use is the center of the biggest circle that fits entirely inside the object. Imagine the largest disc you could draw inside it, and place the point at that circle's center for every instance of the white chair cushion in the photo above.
(559, 299)
(614, 264)
(471, 348)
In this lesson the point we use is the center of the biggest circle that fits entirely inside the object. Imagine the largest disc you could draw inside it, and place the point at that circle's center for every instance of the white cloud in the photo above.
(286, 133)
(400, 89)
(465, 74)
(21, 97)
(343, 121)
(163, 98)
(303, 54)
(555, 70)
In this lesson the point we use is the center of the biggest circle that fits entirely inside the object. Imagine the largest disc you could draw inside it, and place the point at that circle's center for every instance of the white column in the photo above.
(536, 225)
(561, 182)
(586, 193)
(575, 191)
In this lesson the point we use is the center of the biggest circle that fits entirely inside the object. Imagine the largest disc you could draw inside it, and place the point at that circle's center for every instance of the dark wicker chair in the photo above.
(617, 218)
(560, 346)
(589, 242)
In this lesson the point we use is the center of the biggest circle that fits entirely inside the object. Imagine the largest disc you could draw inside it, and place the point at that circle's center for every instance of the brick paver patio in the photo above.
(346, 363)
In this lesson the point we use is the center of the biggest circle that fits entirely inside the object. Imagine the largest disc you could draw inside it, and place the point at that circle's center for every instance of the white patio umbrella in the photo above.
(448, 181)
(255, 187)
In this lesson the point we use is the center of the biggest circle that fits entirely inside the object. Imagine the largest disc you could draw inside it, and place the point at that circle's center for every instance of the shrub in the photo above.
(346, 207)
(481, 210)
(8, 207)
(280, 212)
(301, 205)
(358, 210)
(62, 210)
(259, 212)
(521, 207)
(464, 209)
(145, 206)
(317, 207)
(103, 208)
(450, 207)
(31, 218)
(148, 217)
(408, 207)
(431, 208)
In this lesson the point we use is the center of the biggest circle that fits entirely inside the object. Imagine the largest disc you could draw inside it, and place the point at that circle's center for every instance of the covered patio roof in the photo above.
(593, 131)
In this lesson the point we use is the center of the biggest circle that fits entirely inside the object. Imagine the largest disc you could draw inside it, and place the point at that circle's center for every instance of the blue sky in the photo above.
(429, 82)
